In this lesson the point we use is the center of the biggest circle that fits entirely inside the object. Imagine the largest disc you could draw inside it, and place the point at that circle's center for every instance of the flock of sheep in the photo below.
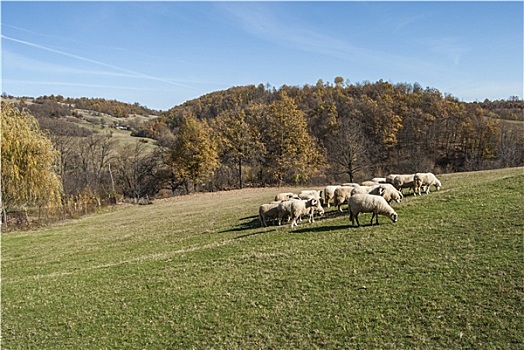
(372, 196)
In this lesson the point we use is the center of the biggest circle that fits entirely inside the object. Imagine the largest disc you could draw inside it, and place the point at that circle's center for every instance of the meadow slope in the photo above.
(198, 272)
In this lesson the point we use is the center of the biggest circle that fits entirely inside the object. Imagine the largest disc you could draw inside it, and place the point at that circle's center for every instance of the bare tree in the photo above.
(349, 149)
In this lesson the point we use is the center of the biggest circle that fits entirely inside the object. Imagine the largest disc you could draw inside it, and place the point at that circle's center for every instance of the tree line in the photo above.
(259, 136)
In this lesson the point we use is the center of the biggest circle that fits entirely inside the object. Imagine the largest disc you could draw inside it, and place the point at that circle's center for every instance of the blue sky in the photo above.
(161, 54)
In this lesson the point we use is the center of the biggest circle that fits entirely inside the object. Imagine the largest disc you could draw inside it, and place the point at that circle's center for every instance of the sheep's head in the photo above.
(394, 217)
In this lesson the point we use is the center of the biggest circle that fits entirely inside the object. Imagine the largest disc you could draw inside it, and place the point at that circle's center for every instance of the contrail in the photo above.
(134, 73)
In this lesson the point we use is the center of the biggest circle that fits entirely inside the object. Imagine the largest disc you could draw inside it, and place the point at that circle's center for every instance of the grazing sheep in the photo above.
(390, 193)
(367, 190)
(390, 178)
(368, 203)
(369, 183)
(268, 211)
(341, 196)
(313, 194)
(426, 180)
(352, 184)
(284, 196)
(380, 180)
(329, 192)
(295, 208)
(403, 181)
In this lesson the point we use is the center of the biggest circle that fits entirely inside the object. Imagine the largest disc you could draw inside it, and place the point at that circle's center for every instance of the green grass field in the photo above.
(198, 272)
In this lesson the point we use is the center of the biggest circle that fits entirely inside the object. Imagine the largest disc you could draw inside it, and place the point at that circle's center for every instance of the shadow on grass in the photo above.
(318, 229)
(252, 222)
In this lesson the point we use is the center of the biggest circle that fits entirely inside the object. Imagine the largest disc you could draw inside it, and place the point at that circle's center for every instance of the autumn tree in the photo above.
(238, 139)
(28, 159)
(193, 155)
(291, 152)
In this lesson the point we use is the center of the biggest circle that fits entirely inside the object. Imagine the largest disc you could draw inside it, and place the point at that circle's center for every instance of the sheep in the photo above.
(403, 181)
(390, 193)
(426, 180)
(352, 184)
(367, 203)
(367, 189)
(284, 196)
(380, 180)
(390, 178)
(341, 196)
(313, 194)
(294, 208)
(268, 211)
(369, 183)
(329, 192)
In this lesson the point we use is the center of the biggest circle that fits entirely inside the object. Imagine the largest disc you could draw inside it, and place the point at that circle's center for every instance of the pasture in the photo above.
(198, 272)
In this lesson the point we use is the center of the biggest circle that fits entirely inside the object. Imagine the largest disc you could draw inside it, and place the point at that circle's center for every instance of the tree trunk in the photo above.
(240, 172)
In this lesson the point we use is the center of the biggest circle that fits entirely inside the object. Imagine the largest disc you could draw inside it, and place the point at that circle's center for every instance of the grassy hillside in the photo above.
(197, 272)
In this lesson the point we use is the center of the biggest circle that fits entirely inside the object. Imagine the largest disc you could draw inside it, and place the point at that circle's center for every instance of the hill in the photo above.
(198, 272)
(80, 117)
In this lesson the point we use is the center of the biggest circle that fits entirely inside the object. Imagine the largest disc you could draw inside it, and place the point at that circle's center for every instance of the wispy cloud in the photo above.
(61, 83)
(130, 73)
(287, 31)
(451, 47)
(260, 21)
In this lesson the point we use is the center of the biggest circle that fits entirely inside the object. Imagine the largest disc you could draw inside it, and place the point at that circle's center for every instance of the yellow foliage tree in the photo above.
(27, 162)
(292, 154)
(194, 153)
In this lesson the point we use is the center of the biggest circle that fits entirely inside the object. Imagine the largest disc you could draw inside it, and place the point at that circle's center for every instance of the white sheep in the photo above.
(403, 181)
(390, 193)
(367, 189)
(369, 183)
(380, 180)
(390, 178)
(368, 203)
(352, 184)
(329, 192)
(268, 211)
(313, 194)
(426, 180)
(341, 196)
(284, 196)
(295, 208)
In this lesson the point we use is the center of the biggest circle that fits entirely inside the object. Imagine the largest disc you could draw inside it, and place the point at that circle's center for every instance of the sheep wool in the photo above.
(329, 193)
(295, 208)
(367, 203)
(426, 180)
(267, 211)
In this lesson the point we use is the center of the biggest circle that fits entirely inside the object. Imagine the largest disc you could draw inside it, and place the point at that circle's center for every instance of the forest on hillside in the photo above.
(327, 133)
(333, 133)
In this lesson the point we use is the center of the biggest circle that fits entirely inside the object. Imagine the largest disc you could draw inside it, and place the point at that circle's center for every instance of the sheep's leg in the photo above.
(356, 218)
(375, 215)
